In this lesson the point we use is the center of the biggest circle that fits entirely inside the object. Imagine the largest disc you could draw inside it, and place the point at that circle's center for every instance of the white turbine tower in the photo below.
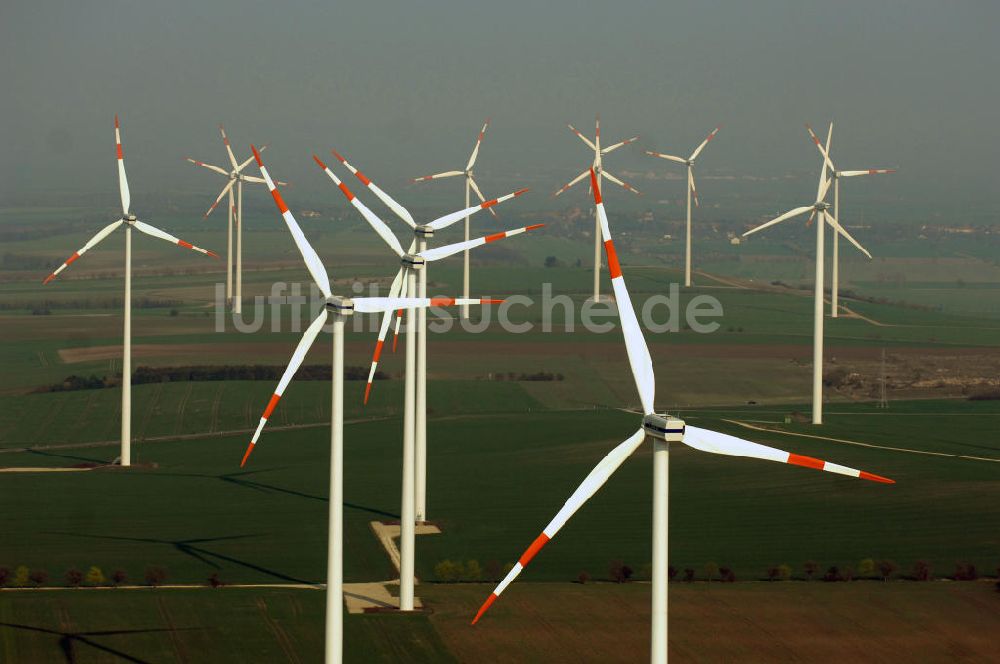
(661, 430)
(470, 183)
(339, 308)
(819, 208)
(128, 221)
(414, 261)
(598, 167)
(836, 175)
(691, 190)
(237, 178)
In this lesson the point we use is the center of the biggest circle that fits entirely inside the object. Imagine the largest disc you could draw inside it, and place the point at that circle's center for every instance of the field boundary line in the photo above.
(860, 444)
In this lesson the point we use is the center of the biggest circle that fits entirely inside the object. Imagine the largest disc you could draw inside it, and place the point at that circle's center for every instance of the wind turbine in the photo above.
(339, 308)
(414, 481)
(470, 183)
(821, 209)
(662, 430)
(836, 175)
(598, 167)
(236, 177)
(691, 190)
(128, 221)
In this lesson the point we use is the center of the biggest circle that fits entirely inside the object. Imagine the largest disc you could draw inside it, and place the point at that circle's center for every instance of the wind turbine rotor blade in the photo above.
(591, 484)
(293, 365)
(708, 139)
(829, 138)
(163, 235)
(840, 229)
(449, 219)
(373, 220)
(394, 290)
(208, 166)
(475, 150)
(438, 253)
(250, 159)
(229, 148)
(583, 138)
(822, 150)
(122, 179)
(257, 180)
(824, 186)
(572, 182)
(475, 188)
(870, 171)
(438, 176)
(679, 160)
(374, 305)
(315, 266)
(694, 190)
(91, 243)
(612, 148)
(618, 182)
(388, 200)
(777, 220)
(714, 442)
(225, 190)
(635, 343)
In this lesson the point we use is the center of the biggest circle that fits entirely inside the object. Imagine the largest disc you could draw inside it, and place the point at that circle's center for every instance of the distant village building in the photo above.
(310, 214)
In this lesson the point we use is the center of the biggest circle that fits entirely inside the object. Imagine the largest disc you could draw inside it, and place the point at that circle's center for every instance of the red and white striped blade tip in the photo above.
(256, 155)
(368, 391)
(320, 163)
(486, 605)
(246, 455)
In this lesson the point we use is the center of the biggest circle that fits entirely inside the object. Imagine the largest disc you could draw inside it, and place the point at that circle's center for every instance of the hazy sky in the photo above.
(403, 86)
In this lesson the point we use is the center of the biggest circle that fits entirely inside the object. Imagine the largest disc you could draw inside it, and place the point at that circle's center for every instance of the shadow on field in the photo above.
(240, 479)
(74, 457)
(68, 640)
(195, 549)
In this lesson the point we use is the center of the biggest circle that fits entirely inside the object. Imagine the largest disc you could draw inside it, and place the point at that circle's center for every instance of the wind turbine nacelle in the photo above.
(340, 305)
(668, 428)
(424, 232)
(413, 262)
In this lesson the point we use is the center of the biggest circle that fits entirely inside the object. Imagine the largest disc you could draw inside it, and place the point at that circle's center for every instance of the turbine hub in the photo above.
(424, 232)
(340, 305)
(821, 206)
(667, 428)
(129, 219)
(413, 262)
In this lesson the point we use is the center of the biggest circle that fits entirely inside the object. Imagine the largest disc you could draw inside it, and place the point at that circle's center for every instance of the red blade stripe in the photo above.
(533, 227)
(119, 149)
(378, 351)
(495, 237)
(442, 301)
(875, 478)
(347, 192)
(520, 191)
(488, 204)
(72, 258)
(256, 156)
(614, 269)
(486, 605)
(364, 178)
(186, 245)
(246, 455)
(270, 405)
(320, 162)
(593, 185)
(279, 201)
(368, 390)
(808, 462)
(532, 550)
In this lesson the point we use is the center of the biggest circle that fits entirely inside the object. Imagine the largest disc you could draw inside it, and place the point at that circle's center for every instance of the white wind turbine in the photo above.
(836, 175)
(598, 167)
(414, 481)
(470, 183)
(691, 190)
(128, 221)
(819, 208)
(237, 178)
(662, 430)
(339, 308)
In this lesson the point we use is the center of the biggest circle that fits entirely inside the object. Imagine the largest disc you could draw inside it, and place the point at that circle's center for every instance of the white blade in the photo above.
(438, 176)
(229, 149)
(829, 138)
(711, 135)
(777, 220)
(591, 484)
(293, 365)
(438, 253)
(449, 219)
(313, 263)
(679, 160)
(249, 159)
(824, 186)
(122, 180)
(208, 166)
(475, 188)
(163, 235)
(225, 190)
(373, 220)
(720, 443)
(635, 343)
(572, 182)
(619, 182)
(582, 137)
(840, 229)
(694, 190)
(389, 201)
(475, 150)
(372, 305)
(822, 150)
(870, 171)
(612, 148)
(91, 243)
(257, 180)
